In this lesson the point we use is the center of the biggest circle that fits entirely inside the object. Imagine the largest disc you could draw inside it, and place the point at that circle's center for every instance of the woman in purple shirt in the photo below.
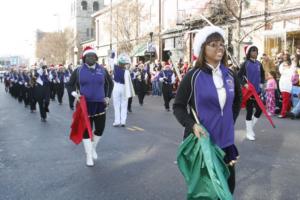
(213, 91)
(93, 82)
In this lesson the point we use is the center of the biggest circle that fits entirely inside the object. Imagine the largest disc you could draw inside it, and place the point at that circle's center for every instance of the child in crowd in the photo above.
(270, 92)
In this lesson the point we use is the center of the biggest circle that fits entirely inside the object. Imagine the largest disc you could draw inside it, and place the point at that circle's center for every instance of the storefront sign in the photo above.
(179, 43)
(169, 44)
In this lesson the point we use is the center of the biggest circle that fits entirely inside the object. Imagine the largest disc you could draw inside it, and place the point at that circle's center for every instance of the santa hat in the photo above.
(87, 50)
(202, 35)
(247, 48)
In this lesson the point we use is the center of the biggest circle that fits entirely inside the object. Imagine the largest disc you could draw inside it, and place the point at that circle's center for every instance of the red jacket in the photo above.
(80, 122)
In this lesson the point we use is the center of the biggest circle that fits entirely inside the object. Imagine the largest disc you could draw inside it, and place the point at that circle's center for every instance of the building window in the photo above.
(92, 32)
(95, 6)
(84, 5)
(87, 32)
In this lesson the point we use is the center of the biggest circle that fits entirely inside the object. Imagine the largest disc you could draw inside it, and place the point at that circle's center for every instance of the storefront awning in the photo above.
(144, 49)
(139, 50)
(274, 34)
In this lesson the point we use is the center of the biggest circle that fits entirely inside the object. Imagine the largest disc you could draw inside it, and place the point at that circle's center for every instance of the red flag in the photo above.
(247, 93)
(80, 122)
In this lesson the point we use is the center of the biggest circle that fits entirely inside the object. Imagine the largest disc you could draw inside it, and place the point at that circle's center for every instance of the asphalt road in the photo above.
(39, 162)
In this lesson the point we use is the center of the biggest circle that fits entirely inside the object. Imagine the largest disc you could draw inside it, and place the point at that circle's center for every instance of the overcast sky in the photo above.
(19, 19)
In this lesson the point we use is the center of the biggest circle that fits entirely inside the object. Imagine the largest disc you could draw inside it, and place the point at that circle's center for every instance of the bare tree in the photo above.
(235, 7)
(53, 46)
(125, 23)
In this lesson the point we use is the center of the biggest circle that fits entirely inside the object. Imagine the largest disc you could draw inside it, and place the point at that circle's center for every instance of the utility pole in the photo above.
(266, 13)
(110, 39)
(137, 22)
(159, 32)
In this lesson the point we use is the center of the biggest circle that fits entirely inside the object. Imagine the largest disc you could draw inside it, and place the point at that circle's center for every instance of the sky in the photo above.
(19, 20)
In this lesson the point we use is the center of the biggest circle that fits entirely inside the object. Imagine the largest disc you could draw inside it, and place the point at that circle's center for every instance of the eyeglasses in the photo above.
(216, 45)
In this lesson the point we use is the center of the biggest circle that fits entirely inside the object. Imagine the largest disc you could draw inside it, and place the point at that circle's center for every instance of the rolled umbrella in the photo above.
(247, 93)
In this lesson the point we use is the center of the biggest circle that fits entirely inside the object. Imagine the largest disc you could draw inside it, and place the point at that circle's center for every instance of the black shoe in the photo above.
(122, 125)
(129, 110)
(291, 115)
(168, 109)
(72, 108)
(43, 120)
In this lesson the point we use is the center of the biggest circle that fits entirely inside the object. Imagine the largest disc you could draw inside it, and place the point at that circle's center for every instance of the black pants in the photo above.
(141, 97)
(31, 99)
(26, 96)
(60, 92)
(129, 103)
(53, 89)
(99, 122)
(71, 99)
(42, 96)
(250, 105)
(44, 107)
(167, 94)
(231, 179)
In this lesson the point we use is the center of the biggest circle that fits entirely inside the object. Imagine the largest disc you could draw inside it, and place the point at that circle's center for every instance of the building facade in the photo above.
(81, 23)
(169, 26)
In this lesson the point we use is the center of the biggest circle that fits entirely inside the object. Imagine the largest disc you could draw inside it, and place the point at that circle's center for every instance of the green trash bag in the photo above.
(201, 163)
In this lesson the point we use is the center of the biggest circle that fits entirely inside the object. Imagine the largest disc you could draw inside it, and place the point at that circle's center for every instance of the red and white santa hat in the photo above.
(87, 50)
(247, 48)
(202, 35)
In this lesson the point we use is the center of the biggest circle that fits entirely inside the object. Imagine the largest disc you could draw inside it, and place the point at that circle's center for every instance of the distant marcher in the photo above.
(252, 70)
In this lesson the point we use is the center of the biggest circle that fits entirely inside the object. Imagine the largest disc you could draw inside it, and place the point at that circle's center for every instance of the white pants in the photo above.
(120, 103)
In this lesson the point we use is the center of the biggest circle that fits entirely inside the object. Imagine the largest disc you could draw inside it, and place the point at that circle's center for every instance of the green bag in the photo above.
(201, 163)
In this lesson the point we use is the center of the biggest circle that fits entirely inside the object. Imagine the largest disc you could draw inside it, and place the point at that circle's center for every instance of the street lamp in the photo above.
(58, 21)
(150, 45)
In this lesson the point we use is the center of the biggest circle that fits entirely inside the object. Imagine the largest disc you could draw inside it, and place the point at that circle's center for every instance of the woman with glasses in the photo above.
(213, 91)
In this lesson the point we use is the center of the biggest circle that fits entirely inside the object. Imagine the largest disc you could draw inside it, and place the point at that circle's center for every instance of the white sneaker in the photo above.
(116, 124)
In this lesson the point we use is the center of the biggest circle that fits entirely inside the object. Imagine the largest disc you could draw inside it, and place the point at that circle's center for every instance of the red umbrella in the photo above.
(247, 93)
(80, 122)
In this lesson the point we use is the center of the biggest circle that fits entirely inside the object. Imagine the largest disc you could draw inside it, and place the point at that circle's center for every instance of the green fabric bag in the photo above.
(201, 163)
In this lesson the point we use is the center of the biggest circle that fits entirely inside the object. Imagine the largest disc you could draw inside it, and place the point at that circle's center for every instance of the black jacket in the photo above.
(73, 83)
(243, 73)
(185, 98)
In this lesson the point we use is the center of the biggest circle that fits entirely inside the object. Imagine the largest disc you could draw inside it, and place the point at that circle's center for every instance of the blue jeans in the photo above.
(296, 109)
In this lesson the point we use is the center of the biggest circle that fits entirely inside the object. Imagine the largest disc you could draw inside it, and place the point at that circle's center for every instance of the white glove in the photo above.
(261, 86)
(106, 101)
(76, 95)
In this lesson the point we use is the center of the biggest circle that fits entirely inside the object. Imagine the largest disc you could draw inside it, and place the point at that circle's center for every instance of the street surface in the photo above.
(39, 162)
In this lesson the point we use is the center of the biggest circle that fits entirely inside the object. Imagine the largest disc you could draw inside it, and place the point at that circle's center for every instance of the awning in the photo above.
(139, 50)
(274, 34)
